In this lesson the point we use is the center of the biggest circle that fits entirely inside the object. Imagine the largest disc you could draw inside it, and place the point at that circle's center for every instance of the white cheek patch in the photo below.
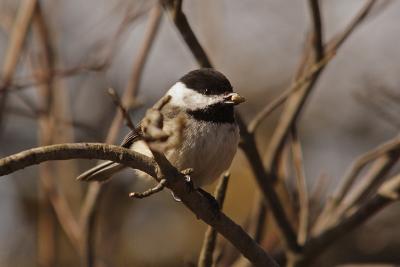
(182, 96)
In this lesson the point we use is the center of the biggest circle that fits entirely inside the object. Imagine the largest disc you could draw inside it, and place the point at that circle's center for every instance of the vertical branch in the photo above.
(88, 211)
(48, 123)
(301, 187)
(297, 100)
(14, 48)
(207, 250)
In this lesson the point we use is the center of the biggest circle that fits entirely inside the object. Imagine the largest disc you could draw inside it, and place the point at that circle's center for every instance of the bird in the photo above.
(203, 102)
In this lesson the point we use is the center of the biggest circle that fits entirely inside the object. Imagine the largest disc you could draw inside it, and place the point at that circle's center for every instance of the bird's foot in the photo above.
(189, 183)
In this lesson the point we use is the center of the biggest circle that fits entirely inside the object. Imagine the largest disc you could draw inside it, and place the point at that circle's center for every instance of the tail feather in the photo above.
(101, 172)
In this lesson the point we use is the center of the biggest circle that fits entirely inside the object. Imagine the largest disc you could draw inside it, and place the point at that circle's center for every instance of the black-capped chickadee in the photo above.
(204, 100)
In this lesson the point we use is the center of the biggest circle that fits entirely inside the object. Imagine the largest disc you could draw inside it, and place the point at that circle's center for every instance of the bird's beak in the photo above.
(234, 99)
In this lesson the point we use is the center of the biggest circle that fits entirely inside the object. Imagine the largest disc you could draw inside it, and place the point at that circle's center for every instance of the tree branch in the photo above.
(207, 250)
(14, 48)
(193, 199)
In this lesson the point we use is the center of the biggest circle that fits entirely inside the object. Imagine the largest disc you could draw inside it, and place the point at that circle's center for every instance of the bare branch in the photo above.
(159, 187)
(207, 250)
(175, 9)
(317, 38)
(265, 181)
(15, 44)
(118, 103)
(193, 199)
(338, 40)
(387, 194)
(268, 109)
(301, 187)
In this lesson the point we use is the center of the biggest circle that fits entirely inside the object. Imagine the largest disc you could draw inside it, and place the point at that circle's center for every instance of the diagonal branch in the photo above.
(14, 48)
(301, 187)
(330, 209)
(387, 194)
(175, 9)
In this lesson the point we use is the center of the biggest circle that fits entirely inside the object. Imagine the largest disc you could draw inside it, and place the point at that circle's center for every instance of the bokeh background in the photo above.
(257, 44)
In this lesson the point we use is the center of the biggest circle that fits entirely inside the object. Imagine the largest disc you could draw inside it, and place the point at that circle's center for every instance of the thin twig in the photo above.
(374, 178)
(118, 103)
(360, 163)
(268, 109)
(387, 194)
(210, 237)
(339, 39)
(159, 187)
(335, 206)
(301, 188)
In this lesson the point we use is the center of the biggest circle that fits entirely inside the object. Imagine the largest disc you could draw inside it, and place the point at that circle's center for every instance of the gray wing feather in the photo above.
(105, 170)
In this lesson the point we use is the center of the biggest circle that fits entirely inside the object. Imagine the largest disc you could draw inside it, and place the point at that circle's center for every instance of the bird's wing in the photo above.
(132, 137)
(169, 112)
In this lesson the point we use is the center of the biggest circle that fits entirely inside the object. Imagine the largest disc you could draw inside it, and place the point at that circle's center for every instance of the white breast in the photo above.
(208, 148)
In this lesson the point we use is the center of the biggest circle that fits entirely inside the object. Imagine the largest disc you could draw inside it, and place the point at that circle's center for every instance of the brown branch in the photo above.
(317, 38)
(268, 109)
(339, 39)
(117, 102)
(175, 9)
(207, 250)
(387, 194)
(296, 101)
(265, 181)
(67, 151)
(14, 48)
(301, 187)
(350, 177)
(193, 199)
(360, 163)
(159, 187)
(374, 178)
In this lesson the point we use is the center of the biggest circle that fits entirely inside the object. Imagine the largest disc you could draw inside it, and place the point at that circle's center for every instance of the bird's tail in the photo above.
(101, 172)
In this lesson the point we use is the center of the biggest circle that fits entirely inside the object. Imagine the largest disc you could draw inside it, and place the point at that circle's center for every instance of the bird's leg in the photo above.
(189, 183)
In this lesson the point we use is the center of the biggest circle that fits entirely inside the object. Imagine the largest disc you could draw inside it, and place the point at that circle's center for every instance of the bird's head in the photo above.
(204, 89)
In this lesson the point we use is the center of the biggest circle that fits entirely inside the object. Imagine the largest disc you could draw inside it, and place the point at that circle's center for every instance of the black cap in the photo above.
(207, 81)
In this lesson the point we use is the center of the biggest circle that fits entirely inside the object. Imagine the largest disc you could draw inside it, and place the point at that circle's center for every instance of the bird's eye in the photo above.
(207, 91)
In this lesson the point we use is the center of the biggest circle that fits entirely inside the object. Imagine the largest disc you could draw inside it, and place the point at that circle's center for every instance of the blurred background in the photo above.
(257, 45)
